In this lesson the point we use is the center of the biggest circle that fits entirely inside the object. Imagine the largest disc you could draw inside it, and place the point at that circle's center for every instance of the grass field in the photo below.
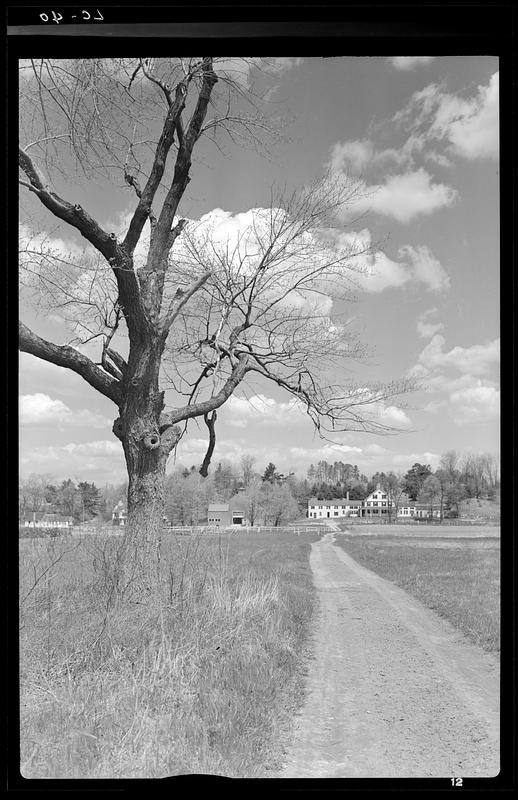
(204, 681)
(456, 575)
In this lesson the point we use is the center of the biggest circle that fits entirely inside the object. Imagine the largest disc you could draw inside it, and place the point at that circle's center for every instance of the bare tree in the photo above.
(492, 473)
(429, 492)
(278, 504)
(169, 306)
(394, 485)
(474, 474)
(247, 469)
(252, 500)
(449, 463)
(32, 492)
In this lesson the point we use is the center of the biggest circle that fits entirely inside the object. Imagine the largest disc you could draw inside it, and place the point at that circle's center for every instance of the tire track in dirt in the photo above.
(393, 690)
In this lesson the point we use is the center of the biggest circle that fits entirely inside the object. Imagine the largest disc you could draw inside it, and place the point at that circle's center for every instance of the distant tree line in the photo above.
(80, 500)
(270, 497)
(458, 477)
(267, 498)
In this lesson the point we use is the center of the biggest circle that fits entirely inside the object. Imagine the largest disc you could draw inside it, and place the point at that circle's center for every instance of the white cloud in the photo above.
(239, 412)
(98, 461)
(385, 274)
(352, 155)
(469, 127)
(405, 197)
(377, 272)
(328, 452)
(426, 268)
(375, 450)
(478, 404)
(472, 129)
(389, 415)
(241, 70)
(40, 409)
(476, 360)
(425, 327)
(469, 397)
(409, 62)
(405, 460)
(102, 447)
(279, 65)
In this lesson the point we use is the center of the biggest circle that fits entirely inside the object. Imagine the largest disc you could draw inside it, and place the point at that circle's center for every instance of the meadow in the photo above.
(203, 680)
(453, 571)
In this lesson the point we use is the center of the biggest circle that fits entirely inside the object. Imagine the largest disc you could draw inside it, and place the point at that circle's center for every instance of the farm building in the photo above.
(231, 513)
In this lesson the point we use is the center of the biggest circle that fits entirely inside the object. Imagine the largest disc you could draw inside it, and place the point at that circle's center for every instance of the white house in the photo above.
(326, 509)
(119, 514)
(377, 503)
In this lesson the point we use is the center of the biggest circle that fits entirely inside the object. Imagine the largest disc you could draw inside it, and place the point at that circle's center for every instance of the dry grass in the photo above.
(457, 578)
(202, 680)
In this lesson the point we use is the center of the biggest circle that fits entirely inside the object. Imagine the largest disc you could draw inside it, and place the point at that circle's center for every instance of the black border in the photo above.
(298, 30)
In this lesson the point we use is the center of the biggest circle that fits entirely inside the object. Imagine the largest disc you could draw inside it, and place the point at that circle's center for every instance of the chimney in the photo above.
(347, 495)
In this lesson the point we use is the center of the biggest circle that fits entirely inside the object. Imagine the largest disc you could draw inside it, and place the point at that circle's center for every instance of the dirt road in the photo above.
(394, 690)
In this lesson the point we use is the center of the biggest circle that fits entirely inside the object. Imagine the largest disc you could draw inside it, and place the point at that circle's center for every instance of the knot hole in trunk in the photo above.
(152, 441)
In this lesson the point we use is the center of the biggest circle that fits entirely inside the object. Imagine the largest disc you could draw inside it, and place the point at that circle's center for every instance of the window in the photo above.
(336, 513)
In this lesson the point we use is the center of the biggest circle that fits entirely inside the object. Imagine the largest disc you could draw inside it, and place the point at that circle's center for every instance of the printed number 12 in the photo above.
(456, 781)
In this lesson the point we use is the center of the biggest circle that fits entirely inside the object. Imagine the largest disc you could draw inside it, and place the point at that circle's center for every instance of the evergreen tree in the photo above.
(414, 479)
(90, 499)
(271, 475)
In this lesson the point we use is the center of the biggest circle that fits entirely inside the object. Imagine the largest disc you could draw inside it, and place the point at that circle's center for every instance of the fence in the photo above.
(417, 521)
(237, 529)
(204, 530)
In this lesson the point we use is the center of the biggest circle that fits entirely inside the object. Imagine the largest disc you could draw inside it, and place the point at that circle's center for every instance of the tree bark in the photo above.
(147, 442)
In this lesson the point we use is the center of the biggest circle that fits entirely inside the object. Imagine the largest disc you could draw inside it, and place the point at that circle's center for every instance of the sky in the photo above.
(420, 136)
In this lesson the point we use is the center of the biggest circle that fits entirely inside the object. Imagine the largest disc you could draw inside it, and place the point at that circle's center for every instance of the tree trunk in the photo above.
(147, 442)
(140, 547)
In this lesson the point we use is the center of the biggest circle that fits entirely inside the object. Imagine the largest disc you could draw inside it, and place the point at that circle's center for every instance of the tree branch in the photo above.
(163, 86)
(66, 356)
(210, 423)
(160, 241)
(180, 299)
(164, 145)
(117, 359)
(205, 406)
(76, 216)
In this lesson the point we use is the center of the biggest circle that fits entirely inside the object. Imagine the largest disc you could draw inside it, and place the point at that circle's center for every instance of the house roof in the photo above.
(313, 501)
(218, 507)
